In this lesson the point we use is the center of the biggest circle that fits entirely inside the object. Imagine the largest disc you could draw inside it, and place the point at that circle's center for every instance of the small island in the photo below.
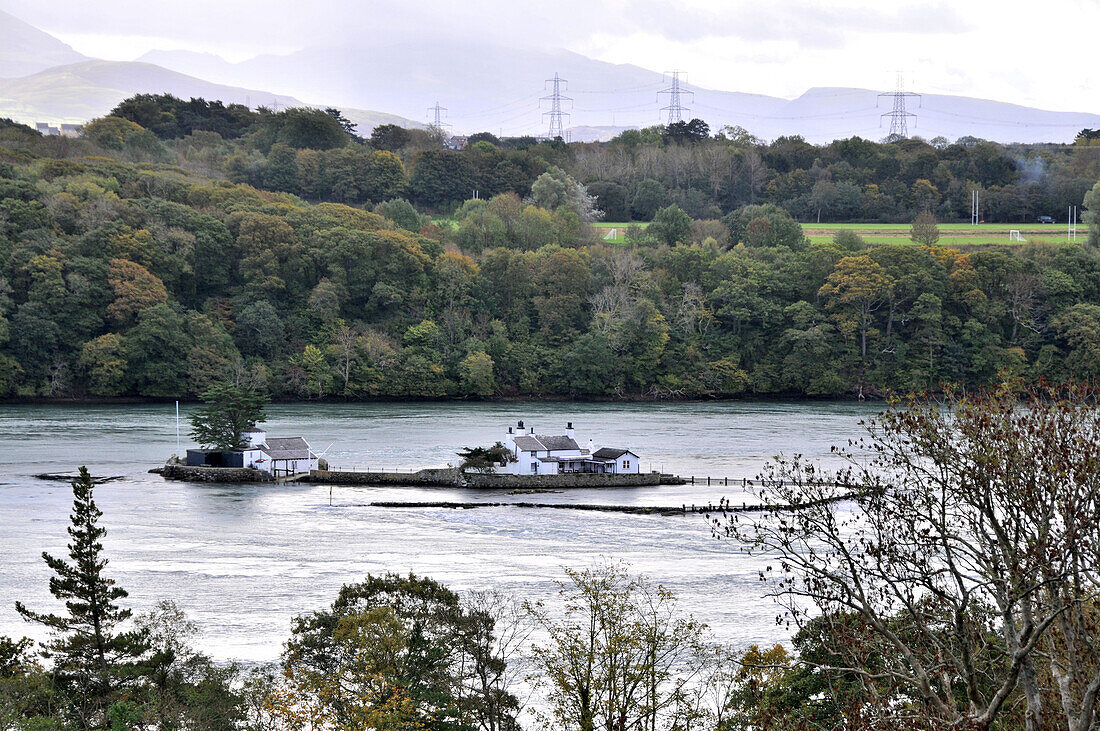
(232, 448)
(524, 459)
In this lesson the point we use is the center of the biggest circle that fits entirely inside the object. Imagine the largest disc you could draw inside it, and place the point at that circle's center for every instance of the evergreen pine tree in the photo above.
(93, 660)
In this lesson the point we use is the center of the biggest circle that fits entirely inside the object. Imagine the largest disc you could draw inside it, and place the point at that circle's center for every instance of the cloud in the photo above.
(294, 23)
(810, 24)
(781, 47)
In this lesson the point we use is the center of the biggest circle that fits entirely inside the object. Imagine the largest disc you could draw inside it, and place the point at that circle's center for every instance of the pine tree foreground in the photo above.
(93, 661)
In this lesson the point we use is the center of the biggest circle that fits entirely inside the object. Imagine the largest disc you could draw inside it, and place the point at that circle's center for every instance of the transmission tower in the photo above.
(557, 129)
(675, 108)
(437, 112)
(899, 116)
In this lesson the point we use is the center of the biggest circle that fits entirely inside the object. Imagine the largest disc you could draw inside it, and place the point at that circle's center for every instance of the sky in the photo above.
(1026, 53)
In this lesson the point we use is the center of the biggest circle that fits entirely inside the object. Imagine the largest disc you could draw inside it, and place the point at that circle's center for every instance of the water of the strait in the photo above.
(243, 560)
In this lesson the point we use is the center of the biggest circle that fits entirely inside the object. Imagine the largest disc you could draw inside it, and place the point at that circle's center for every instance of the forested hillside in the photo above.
(195, 242)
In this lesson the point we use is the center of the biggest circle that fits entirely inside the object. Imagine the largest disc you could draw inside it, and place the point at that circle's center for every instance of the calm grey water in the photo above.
(243, 560)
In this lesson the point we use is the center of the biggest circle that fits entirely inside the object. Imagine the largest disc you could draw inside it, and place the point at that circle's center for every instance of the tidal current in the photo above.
(242, 560)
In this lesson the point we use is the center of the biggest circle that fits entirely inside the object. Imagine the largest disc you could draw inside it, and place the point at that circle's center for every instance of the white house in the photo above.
(620, 461)
(279, 456)
(544, 454)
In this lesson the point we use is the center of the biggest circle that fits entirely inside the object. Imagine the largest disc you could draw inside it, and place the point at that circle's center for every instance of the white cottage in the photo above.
(619, 461)
(279, 456)
(544, 454)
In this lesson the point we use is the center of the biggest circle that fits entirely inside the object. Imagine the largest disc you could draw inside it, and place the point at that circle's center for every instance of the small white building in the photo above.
(621, 461)
(545, 454)
(279, 456)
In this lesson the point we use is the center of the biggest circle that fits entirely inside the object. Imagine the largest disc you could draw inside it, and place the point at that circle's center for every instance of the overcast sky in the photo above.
(1037, 54)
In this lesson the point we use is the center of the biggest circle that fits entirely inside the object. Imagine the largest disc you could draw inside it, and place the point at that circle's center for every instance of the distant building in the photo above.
(45, 129)
(543, 454)
(279, 456)
(457, 142)
(71, 130)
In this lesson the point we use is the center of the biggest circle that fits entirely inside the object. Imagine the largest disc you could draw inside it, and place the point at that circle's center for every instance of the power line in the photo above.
(438, 118)
(899, 116)
(675, 109)
(625, 90)
(503, 108)
(557, 129)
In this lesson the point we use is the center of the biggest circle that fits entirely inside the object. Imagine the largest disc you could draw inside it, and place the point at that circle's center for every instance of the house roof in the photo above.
(610, 453)
(287, 448)
(543, 442)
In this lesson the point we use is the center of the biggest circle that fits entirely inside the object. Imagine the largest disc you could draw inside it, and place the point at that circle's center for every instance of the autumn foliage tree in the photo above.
(620, 655)
(396, 654)
(135, 289)
(953, 563)
(857, 287)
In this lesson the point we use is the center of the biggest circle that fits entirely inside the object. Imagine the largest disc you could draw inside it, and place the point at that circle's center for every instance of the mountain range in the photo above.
(482, 86)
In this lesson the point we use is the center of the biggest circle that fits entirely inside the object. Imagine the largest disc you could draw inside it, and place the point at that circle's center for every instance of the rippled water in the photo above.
(242, 560)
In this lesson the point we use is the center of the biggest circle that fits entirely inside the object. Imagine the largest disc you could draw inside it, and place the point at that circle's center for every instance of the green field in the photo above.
(951, 234)
(618, 227)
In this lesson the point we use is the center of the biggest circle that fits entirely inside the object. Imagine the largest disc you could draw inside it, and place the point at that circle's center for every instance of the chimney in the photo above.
(569, 429)
(591, 447)
(253, 438)
(519, 429)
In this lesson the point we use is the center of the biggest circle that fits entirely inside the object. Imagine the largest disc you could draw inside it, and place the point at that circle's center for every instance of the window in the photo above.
(626, 464)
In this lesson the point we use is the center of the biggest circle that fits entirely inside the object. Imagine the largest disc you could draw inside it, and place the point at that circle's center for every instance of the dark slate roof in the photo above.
(610, 453)
(543, 442)
(287, 448)
(557, 443)
(528, 444)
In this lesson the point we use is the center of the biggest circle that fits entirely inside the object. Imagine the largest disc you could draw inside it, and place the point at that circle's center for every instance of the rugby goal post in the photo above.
(612, 235)
(1014, 235)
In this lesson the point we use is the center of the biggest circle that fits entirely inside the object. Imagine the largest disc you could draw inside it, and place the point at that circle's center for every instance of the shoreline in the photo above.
(874, 397)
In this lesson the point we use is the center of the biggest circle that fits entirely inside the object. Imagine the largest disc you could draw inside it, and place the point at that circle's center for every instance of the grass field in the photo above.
(951, 234)
(616, 231)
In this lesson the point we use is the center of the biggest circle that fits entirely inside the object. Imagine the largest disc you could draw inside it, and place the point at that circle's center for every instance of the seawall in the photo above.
(453, 478)
(448, 477)
(190, 473)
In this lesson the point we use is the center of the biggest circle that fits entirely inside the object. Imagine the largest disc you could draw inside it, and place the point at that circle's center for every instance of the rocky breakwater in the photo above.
(189, 473)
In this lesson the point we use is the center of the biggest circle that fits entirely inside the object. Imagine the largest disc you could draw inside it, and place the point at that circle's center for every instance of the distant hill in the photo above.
(81, 91)
(497, 88)
(194, 63)
(27, 50)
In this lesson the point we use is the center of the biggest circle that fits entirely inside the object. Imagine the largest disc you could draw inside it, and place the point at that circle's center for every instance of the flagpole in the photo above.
(177, 428)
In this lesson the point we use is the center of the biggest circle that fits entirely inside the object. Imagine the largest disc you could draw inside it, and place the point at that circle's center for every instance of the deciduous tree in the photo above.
(953, 557)
(924, 229)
